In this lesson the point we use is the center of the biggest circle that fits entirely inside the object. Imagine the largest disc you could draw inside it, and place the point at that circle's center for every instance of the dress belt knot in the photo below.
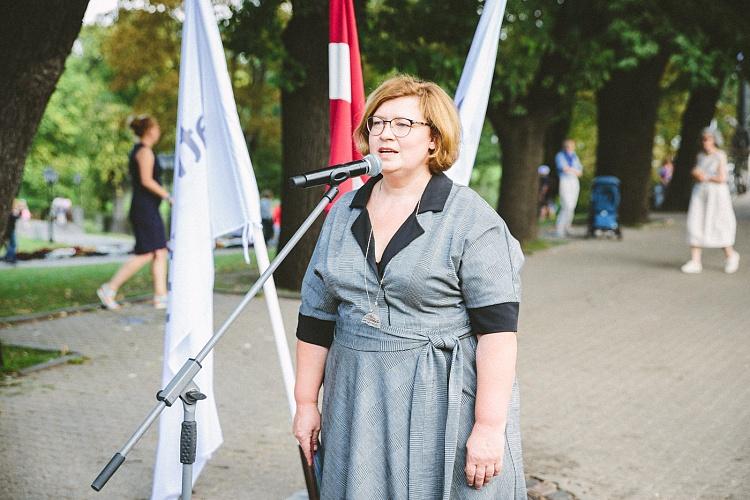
(447, 343)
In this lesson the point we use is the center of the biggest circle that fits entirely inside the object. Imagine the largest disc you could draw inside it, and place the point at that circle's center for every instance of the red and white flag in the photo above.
(345, 87)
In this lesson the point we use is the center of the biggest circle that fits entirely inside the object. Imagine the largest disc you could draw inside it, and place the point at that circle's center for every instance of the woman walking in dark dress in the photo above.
(150, 241)
(408, 317)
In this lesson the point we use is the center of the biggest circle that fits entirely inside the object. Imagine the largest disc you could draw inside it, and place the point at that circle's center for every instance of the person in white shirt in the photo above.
(569, 169)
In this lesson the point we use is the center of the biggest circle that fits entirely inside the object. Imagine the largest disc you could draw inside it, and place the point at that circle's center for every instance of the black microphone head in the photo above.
(374, 163)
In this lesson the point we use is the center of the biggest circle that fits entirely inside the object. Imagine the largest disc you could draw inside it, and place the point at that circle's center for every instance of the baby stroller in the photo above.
(605, 200)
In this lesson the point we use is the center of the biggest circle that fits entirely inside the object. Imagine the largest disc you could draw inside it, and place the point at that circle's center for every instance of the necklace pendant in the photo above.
(371, 319)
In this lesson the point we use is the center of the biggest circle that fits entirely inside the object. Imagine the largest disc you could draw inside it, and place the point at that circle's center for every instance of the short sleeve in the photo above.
(490, 278)
(318, 311)
(559, 162)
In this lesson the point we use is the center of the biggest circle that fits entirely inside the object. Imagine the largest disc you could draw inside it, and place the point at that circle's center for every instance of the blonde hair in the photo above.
(436, 106)
(714, 132)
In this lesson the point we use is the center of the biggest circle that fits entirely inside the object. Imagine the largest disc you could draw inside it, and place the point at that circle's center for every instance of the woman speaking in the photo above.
(409, 312)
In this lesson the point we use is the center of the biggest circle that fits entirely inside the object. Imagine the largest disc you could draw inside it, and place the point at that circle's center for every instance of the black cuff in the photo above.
(315, 331)
(494, 318)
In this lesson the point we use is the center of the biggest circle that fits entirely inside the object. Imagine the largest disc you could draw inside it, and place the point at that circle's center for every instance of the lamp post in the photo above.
(50, 177)
(741, 140)
(167, 163)
(78, 210)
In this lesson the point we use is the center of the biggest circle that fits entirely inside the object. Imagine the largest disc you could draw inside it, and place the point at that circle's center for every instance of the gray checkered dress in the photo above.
(398, 403)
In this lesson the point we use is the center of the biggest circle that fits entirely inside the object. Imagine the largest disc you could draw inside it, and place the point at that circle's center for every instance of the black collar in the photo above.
(433, 198)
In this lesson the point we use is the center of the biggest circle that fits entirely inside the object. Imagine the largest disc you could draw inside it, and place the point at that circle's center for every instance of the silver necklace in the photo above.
(372, 318)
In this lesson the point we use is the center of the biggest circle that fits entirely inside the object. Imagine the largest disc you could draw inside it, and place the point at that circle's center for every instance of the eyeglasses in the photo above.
(399, 126)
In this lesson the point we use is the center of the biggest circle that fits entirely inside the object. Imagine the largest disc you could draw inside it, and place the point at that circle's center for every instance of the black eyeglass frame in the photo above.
(368, 124)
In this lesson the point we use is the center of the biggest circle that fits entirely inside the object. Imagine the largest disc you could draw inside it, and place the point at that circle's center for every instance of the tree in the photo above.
(82, 132)
(285, 45)
(550, 53)
(143, 49)
(35, 37)
(304, 125)
(252, 40)
(645, 38)
(716, 34)
(700, 109)
(626, 117)
(638, 35)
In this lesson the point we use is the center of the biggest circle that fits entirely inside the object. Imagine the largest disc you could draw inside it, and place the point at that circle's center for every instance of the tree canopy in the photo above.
(559, 64)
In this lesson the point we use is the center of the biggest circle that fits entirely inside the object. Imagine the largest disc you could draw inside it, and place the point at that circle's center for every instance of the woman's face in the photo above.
(708, 141)
(402, 154)
(154, 132)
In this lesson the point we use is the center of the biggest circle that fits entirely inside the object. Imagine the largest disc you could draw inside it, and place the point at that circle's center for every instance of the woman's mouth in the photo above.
(386, 152)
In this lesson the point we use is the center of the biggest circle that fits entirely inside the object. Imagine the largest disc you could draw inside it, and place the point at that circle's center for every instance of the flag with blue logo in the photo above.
(214, 193)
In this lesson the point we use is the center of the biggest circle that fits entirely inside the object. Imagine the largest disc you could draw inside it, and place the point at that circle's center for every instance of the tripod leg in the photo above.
(189, 440)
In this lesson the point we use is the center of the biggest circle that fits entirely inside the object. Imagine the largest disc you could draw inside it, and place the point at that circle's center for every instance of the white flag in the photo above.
(214, 193)
(474, 88)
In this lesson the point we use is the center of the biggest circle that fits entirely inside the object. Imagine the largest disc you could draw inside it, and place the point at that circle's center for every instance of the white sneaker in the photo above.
(107, 296)
(692, 267)
(160, 301)
(732, 263)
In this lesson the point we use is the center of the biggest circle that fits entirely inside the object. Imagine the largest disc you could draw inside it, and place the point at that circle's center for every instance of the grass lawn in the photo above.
(46, 289)
(26, 291)
(538, 245)
(232, 274)
(16, 358)
(34, 290)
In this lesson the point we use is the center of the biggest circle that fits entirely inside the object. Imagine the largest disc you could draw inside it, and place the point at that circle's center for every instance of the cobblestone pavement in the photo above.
(634, 376)
(634, 380)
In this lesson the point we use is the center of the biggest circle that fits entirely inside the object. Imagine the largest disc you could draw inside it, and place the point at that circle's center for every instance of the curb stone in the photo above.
(62, 360)
(9, 321)
(541, 489)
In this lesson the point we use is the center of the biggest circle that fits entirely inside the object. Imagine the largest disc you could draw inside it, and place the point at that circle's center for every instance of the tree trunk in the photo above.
(626, 119)
(522, 143)
(522, 137)
(698, 113)
(304, 125)
(36, 37)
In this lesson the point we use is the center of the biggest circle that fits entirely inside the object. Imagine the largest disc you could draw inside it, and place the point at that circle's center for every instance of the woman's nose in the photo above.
(387, 132)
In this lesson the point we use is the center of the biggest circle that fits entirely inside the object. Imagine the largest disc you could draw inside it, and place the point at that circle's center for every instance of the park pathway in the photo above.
(635, 384)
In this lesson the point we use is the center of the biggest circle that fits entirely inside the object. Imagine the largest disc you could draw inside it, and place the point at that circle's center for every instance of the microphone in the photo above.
(369, 165)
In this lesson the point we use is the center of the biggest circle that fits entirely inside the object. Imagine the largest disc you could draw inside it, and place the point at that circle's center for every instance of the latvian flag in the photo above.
(345, 88)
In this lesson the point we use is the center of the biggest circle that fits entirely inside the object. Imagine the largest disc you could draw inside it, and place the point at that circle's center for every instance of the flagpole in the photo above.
(182, 382)
(277, 325)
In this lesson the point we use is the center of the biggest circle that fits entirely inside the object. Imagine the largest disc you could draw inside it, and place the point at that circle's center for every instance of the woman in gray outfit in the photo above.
(409, 313)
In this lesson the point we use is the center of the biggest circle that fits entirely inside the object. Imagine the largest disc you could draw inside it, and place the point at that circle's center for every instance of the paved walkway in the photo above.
(116, 246)
(634, 379)
(72, 234)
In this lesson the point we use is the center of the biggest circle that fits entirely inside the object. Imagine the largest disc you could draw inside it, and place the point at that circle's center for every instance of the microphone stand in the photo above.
(184, 388)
